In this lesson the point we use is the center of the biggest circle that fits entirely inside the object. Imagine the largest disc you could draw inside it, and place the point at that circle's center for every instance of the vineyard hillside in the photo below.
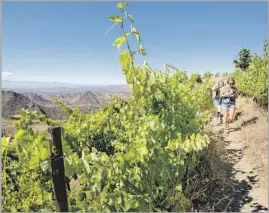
(157, 149)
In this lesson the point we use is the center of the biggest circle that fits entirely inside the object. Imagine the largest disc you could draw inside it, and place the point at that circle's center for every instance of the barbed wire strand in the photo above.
(49, 159)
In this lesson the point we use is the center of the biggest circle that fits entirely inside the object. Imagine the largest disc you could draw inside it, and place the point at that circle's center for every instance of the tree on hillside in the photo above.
(244, 59)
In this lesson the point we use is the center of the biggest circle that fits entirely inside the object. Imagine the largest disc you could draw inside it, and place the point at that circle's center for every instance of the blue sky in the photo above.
(65, 42)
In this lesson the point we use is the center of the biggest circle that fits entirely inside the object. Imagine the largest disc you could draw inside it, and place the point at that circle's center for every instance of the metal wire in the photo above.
(49, 160)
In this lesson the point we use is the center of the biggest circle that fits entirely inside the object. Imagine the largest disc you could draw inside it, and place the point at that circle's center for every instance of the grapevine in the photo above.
(253, 82)
(133, 155)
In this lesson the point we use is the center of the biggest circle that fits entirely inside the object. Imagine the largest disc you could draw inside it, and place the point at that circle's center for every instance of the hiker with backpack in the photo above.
(228, 95)
(217, 100)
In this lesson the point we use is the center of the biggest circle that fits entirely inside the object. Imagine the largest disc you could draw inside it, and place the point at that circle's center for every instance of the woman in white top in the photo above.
(228, 95)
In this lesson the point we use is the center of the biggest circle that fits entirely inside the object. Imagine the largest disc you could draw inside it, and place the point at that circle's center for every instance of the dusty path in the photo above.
(247, 145)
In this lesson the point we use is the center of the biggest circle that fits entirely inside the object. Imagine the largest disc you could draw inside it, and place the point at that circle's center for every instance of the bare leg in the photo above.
(221, 115)
(231, 114)
(218, 114)
(234, 113)
(225, 117)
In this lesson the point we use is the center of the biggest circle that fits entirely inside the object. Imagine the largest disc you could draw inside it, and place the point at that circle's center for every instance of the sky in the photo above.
(66, 42)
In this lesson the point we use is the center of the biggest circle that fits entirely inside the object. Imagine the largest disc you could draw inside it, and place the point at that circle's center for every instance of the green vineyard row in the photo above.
(136, 155)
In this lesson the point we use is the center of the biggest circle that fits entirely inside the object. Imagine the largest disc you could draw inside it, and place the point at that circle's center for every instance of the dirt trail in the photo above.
(247, 145)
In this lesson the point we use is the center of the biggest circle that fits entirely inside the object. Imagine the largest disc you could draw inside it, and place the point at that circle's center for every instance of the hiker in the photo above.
(228, 95)
(216, 97)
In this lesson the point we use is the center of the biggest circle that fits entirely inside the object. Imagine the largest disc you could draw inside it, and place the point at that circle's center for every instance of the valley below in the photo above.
(42, 101)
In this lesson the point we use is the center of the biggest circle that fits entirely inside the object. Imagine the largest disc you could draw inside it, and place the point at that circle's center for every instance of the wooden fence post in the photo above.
(57, 166)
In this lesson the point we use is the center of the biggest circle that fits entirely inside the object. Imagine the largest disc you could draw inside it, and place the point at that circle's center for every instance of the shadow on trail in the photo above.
(238, 114)
(234, 129)
(230, 191)
(235, 154)
(258, 207)
(234, 194)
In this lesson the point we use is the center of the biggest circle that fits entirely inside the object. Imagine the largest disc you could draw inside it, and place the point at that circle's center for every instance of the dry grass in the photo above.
(215, 186)
(209, 180)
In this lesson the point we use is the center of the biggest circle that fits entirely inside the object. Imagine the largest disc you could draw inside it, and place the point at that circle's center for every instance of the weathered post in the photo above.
(57, 166)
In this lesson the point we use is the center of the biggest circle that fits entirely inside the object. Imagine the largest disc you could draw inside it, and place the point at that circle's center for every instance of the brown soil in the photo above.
(247, 146)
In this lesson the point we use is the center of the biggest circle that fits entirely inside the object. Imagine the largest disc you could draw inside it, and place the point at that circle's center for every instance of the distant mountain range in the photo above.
(88, 101)
(59, 88)
(12, 102)
(38, 96)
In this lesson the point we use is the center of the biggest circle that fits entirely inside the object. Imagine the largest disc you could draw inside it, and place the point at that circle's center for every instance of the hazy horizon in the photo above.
(62, 82)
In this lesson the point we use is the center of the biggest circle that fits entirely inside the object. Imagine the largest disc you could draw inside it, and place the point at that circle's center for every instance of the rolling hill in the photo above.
(87, 101)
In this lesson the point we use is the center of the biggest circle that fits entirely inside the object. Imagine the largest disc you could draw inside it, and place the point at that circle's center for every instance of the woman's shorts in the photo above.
(228, 105)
